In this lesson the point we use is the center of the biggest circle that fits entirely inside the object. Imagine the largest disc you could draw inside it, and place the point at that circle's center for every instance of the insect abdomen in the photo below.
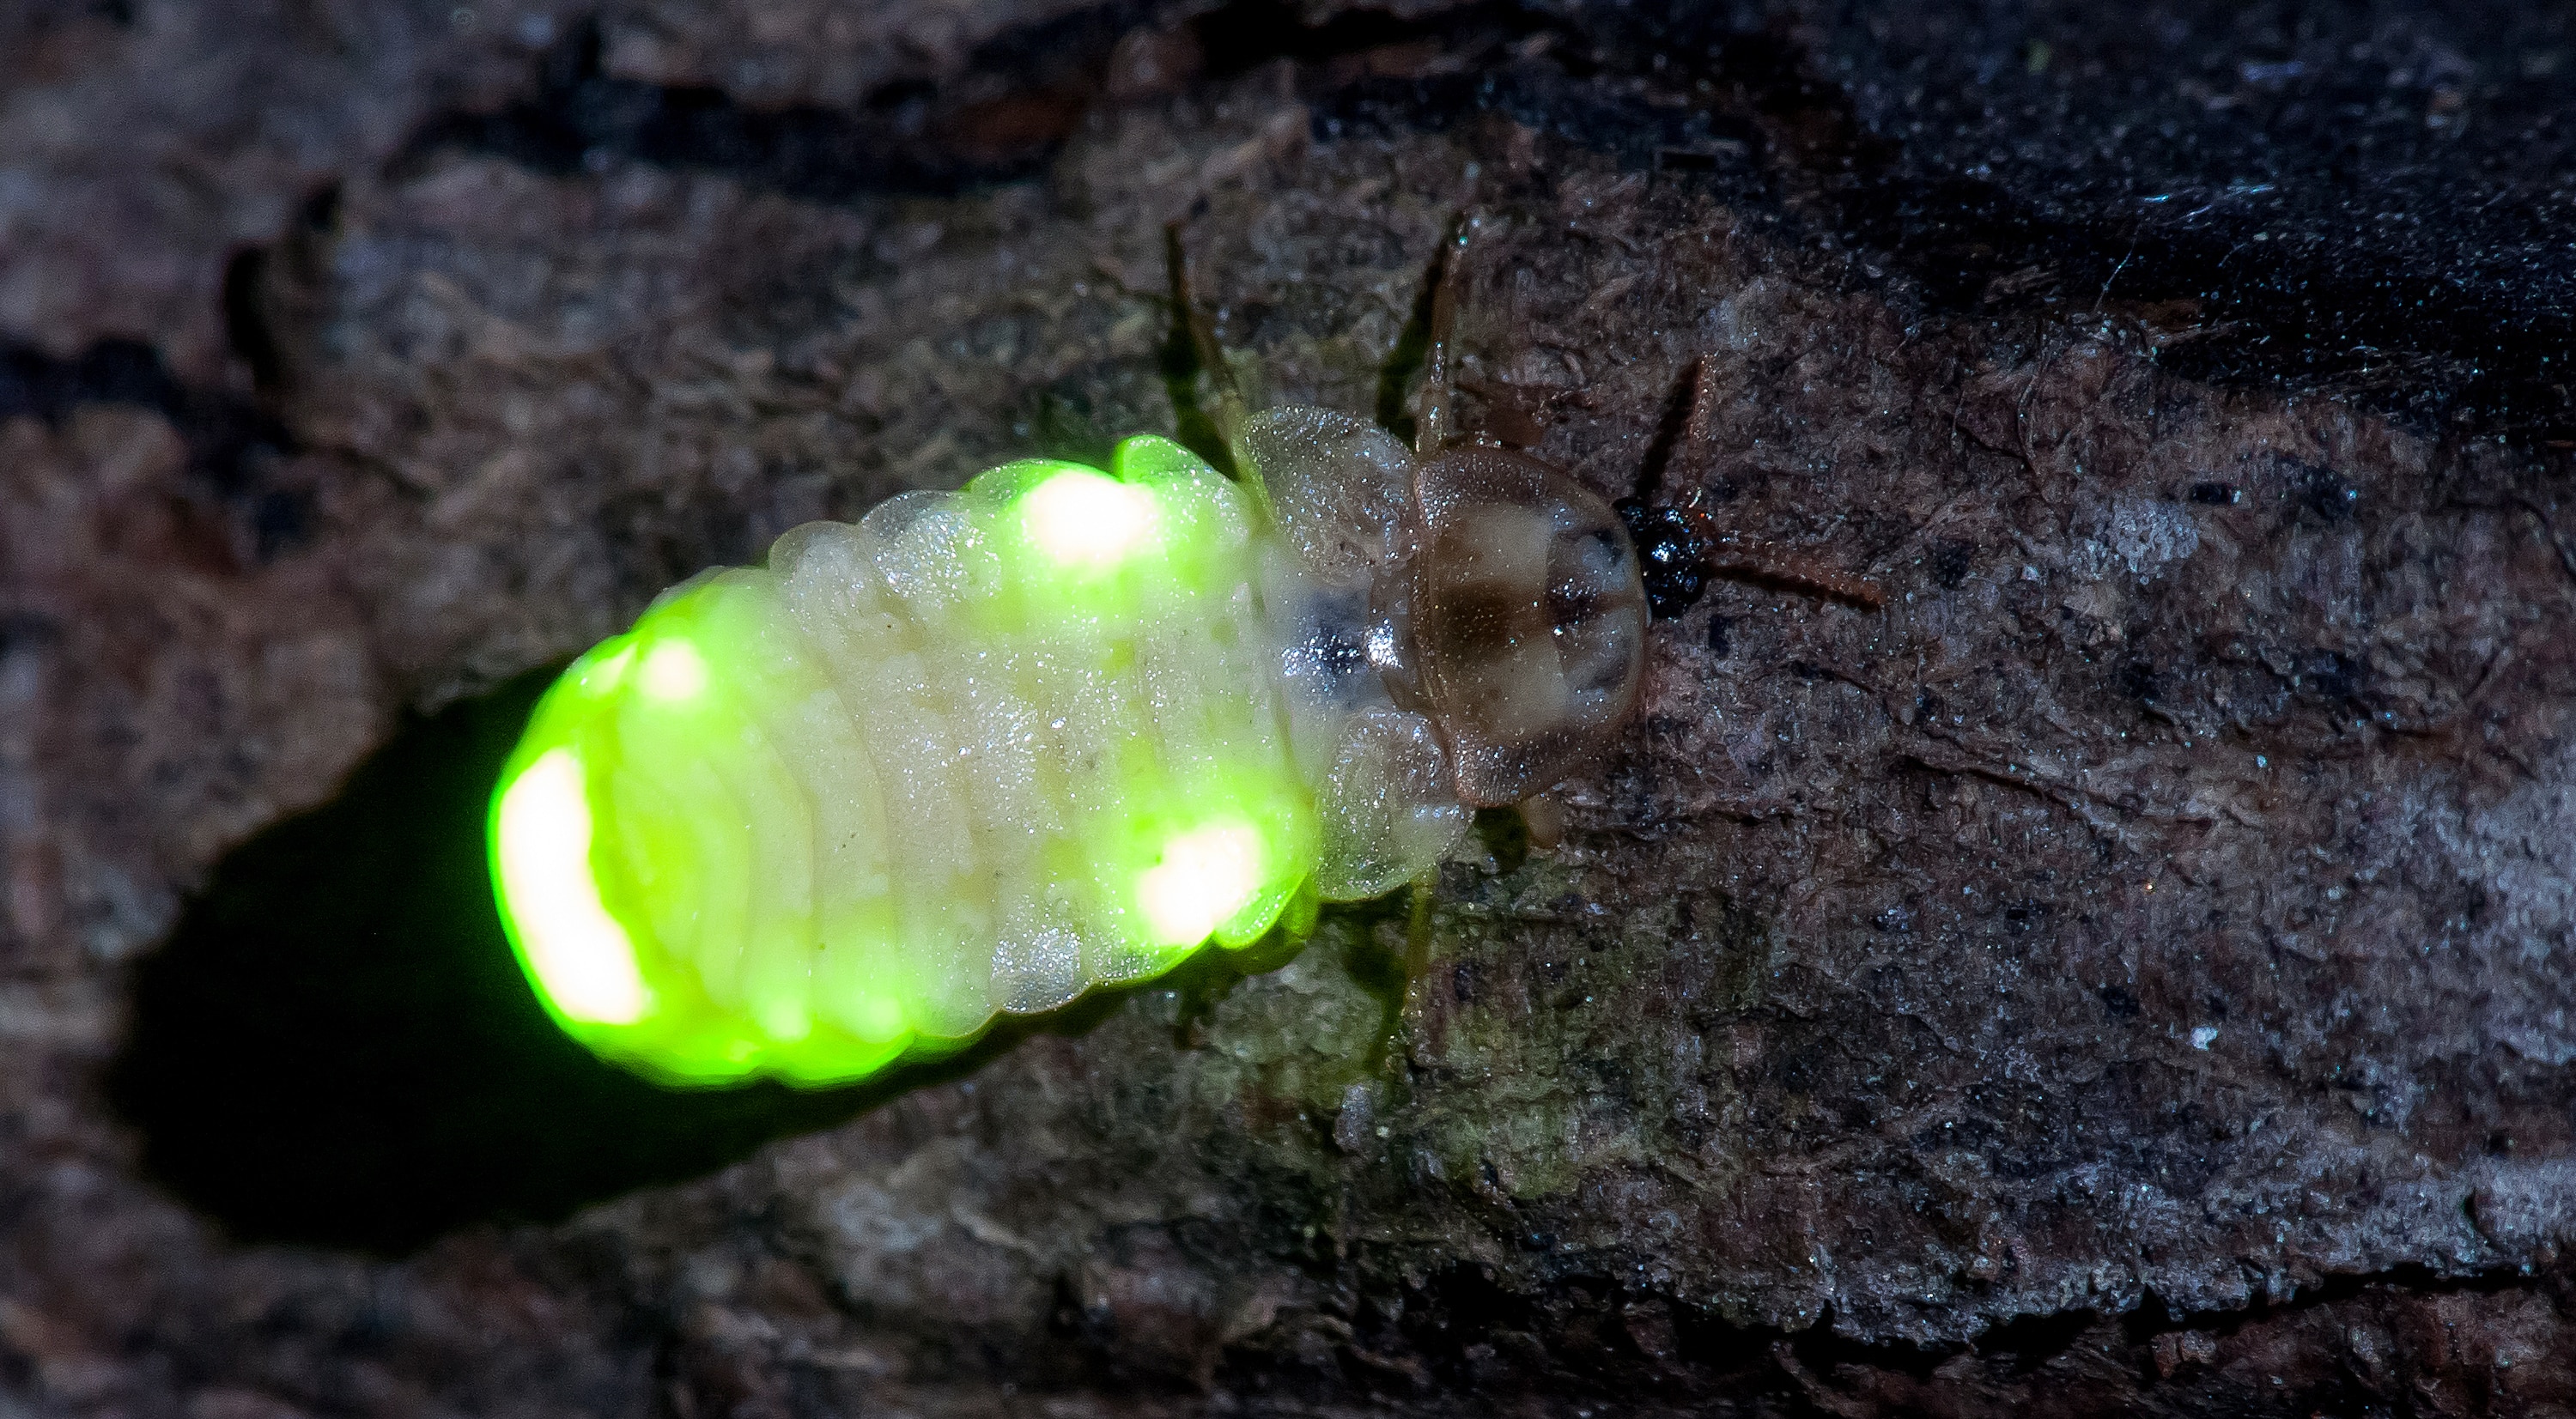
(980, 752)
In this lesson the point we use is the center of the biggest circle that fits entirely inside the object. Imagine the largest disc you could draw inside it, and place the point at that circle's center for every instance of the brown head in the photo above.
(1503, 599)
(1527, 617)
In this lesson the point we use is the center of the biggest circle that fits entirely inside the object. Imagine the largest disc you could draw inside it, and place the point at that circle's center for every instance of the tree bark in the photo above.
(2131, 967)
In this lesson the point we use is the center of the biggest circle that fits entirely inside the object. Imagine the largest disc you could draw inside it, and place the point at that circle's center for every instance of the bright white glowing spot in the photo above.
(1083, 518)
(674, 670)
(577, 950)
(2203, 1036)
(1204, 878)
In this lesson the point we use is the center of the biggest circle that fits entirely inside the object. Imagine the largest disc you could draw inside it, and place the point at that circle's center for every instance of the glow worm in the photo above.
(984, 752)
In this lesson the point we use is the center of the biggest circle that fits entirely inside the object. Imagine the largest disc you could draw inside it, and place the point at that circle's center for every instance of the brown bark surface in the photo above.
(2132, 968)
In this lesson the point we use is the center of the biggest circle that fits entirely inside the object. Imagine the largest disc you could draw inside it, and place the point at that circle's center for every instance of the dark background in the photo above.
(2132, 970)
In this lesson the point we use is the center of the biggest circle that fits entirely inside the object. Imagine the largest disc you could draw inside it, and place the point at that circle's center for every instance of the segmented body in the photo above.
(989, 750)
(980, 752)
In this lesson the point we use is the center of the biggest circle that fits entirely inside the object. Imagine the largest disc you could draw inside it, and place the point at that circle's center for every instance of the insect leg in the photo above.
(1417, 926)
(1230, 409)
(1545, 819)
(1435, 422)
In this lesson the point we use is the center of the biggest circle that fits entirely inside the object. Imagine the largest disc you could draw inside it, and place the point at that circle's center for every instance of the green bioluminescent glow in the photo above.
(574, 946)
(981, 752)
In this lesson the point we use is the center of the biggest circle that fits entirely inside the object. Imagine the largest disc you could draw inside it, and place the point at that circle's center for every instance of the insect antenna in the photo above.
(1750, 559)
(1682, 547)
(1210, 357)
(1678, 431)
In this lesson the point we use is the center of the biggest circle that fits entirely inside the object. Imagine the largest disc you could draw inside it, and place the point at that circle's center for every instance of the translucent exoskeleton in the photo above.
(985, 751)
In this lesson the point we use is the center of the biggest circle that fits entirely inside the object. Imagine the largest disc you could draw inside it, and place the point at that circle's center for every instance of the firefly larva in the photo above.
(985, 751)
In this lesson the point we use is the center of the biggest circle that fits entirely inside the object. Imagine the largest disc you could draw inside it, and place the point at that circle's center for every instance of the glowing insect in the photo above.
(985, 751)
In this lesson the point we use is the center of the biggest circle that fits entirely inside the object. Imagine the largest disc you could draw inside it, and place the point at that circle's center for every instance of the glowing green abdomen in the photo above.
(981, 752)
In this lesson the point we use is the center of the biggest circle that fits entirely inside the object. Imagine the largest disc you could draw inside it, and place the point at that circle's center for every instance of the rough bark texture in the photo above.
(2132, 969)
